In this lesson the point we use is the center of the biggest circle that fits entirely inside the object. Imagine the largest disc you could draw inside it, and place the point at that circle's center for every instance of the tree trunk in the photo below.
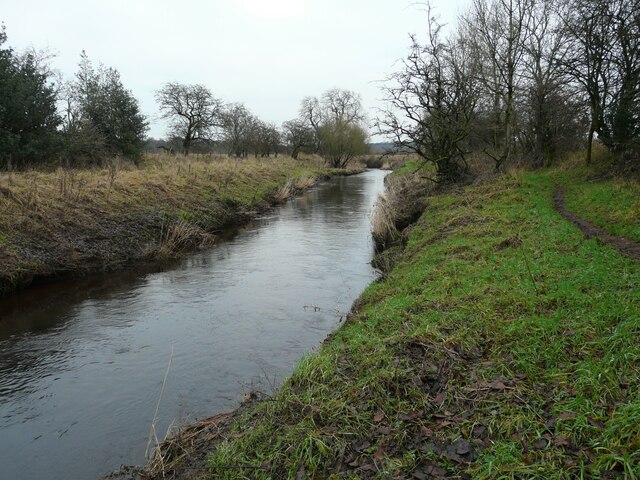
(590, 143)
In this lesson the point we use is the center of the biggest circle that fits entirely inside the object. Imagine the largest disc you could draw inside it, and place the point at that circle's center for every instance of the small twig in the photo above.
(526, 262)
(236, 467)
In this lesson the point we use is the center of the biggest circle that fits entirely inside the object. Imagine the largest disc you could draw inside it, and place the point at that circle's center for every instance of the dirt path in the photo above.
(627, 247)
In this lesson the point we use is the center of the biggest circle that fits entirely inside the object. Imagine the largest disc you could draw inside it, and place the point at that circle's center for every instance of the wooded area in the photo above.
(520, 79)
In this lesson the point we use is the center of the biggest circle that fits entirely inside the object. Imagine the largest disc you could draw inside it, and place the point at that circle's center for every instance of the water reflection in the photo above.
(81, 363)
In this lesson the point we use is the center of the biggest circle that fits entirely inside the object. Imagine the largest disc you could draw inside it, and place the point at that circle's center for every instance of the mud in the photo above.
(627, 247)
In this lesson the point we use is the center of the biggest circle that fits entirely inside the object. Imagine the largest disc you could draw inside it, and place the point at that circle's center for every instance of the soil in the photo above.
(627, 247)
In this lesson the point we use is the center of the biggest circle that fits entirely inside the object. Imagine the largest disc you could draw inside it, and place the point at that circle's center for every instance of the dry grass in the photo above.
(181, 236)
(295, 186)
(184, 451)
(400, 206)
(68, 220)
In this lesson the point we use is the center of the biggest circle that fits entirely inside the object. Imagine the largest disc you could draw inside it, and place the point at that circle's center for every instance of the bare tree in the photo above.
(622, 115)
(497, 29)
(342, 141)
(552, 110)
(341, 105)
(265, 138)
(605, 60)
(431, 102)
(590, 36)
(298, 135)
(192, 110)
(237, 125)
(337, 122)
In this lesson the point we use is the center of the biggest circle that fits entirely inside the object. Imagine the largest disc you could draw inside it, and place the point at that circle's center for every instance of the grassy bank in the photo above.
(73, 221)
(502, 345)
(612, 204)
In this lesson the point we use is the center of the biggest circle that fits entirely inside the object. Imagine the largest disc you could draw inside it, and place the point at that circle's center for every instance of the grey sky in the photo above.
(268, 54)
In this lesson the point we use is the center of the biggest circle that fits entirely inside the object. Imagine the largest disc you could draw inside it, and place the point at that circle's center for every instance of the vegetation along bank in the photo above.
(502, 344)
(73, 221)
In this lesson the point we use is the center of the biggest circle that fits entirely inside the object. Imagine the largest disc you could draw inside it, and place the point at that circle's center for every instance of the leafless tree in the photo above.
(337, 122)
(496, 29)
(604, 59)
(431, 102)
(590, 35)
(298, 135)
(192, 110)
(341, 105)
(237, 125)
(341, 141)
(553, 117)
(622, 119)
(265, 138)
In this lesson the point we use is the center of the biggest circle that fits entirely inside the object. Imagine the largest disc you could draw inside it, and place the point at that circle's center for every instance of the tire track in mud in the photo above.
(627, 247)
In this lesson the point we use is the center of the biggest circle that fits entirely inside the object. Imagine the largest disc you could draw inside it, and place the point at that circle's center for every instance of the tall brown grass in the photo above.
(67, 220)
(402, 204)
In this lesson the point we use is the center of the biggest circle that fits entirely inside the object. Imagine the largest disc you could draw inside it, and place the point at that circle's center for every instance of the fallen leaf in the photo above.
(443, 424)
(426, 431)
(462, 447)
(379, 453)
(561, 440)
(567, 416)
(436, 471)
(363, 446)
(497, 385)
(378, 417)
(540, 443)
(597, 423)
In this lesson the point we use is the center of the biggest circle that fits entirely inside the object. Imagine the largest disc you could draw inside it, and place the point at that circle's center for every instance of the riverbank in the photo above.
(72, 222)
(502, 344)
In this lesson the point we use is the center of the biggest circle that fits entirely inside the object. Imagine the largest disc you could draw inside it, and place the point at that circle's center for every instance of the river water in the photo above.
(82, 362)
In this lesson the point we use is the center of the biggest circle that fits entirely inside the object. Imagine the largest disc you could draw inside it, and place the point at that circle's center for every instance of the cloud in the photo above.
(274, 9)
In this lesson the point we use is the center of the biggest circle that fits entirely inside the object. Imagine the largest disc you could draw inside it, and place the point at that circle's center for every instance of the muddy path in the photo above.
(627, 247)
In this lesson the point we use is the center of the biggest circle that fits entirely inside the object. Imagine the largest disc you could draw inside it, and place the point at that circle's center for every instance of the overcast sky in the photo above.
(268, 54)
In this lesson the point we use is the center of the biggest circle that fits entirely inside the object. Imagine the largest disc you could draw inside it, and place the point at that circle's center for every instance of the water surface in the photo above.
(82, 362)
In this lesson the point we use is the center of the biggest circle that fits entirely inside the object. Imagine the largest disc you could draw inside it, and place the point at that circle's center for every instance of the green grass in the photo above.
(502, 345)
(612, 204)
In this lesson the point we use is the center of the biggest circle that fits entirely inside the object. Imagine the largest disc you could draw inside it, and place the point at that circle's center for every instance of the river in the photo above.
(82, 361)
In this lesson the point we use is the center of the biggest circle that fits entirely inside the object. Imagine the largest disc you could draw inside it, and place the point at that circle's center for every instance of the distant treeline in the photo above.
(92, 117)
(332, 126)
(520, 80)
(515, 80)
